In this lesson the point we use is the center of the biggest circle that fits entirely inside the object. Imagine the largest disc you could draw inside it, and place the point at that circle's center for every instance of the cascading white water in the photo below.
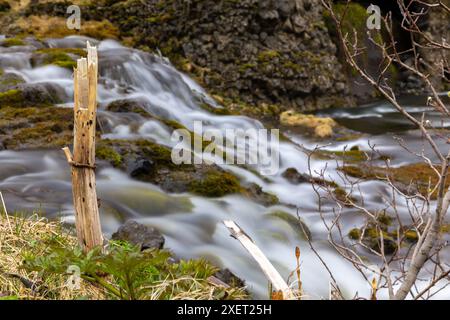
(191, 224)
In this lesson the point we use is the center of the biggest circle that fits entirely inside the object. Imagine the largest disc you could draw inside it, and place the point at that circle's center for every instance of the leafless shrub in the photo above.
(418, 242)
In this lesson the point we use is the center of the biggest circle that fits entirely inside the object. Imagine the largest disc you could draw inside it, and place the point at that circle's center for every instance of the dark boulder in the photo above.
(295, 177)
(138, 234)
(127, 105)
(255, 192)
(141, 167)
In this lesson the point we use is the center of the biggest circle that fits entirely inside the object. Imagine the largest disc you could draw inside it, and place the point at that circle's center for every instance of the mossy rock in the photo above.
(354, 234)
(411, 178)
(35, 127)
(295, 177)
(256, 193)
(148, 161)
(151, 162)
(74, 51)
(128, 106)
(234, 106)
(215, 184)
(351, 155)
(355, 18)
(445, 228)
(61, 57)
(370, 234)
(9, 80)
(25, 95)
(339, 193)
(153, 202)
(268, 55)
(298, 225)
(343, 196)
(12, 42)
(107, 153)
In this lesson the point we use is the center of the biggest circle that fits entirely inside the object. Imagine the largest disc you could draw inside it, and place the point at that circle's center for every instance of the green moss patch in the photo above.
(33, 127)
(25, 96)
(107, 153)
(76, 51)
(355, 18)
(11, 97)
(12, 42)
(215, 184)
(352, 155)
(60, 59)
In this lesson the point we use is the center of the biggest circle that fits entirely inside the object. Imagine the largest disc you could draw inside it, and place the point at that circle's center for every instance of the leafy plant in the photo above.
(125, 272)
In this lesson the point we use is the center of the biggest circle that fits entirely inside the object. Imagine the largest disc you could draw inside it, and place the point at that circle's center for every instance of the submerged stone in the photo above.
(298, 225)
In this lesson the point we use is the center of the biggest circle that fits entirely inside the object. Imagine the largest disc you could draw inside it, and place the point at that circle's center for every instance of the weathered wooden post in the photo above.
(83, 160)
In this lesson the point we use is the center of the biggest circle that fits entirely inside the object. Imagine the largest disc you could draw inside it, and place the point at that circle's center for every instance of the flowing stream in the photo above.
(40, 179)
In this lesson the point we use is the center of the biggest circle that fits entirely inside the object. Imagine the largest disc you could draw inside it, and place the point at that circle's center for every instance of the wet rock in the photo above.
(40, 94)
(61, 57)
(228, 277)
(142, 167)
(149, 162)
(31, 94)
(138, 234)
(295, 177)
(266, 199)
(127, 105)
(9, 80)
(23, 127)
(297, 225)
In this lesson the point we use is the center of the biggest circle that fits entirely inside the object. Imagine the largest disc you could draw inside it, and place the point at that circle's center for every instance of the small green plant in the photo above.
(125, 272)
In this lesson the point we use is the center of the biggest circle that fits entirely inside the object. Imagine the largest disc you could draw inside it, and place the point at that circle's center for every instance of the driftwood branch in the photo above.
(269, 270)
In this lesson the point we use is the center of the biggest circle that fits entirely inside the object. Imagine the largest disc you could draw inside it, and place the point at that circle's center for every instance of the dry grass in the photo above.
(21, 235)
